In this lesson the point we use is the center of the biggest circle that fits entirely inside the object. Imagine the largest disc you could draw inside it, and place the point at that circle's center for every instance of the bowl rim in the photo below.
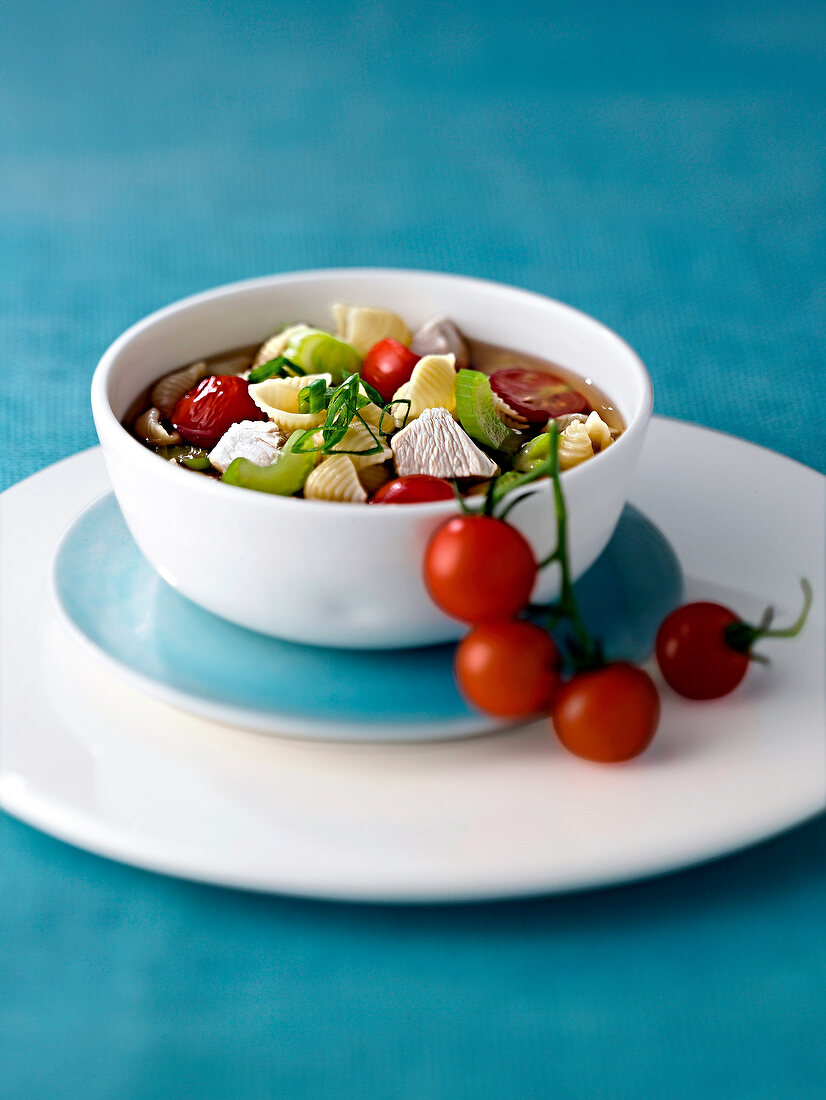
(107, 423)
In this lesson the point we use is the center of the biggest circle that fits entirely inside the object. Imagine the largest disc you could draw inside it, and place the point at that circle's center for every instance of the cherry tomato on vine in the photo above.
(693, 654)
(607, 714)
(510, 668)
(388, 365)
(204, 413)
(413, 489)
(704, 649)
(479, 569)
(537, 395)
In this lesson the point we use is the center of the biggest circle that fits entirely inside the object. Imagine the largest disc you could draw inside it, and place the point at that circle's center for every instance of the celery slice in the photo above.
(477, 415)
(284, 478)
(320, 353)
(533, 453)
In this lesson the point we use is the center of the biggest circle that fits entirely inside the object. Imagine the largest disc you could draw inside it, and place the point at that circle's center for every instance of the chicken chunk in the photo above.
(257, 440)
(435, 444)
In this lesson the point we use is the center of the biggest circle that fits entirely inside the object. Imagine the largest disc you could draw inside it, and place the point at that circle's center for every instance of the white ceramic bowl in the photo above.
(340, 574)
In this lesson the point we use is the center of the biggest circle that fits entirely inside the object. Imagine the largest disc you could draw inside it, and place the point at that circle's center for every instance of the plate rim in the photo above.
(92, 833)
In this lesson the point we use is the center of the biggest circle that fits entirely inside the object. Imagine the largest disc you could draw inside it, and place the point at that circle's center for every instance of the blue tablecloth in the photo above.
(662, 169)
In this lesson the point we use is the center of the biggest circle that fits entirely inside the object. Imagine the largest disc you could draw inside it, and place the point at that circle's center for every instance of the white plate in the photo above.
(97, 763)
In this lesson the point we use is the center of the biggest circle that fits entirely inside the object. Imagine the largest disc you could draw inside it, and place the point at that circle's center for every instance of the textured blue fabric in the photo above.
(660, 166)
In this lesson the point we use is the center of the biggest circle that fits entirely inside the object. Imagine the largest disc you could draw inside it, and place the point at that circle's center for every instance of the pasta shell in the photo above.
(506, 414)
(278, 398)
(382, 421)
(574, 446)
(373, 477)
(563, 421)
(401, 411)
(432, 385)
(363, 326)
(149, 427)
(274, 346)
(167, 391)
(335, 479)
(598, 432)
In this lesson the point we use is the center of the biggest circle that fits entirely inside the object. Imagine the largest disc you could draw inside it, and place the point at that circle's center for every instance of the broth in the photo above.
(491, 357)
(523, 403)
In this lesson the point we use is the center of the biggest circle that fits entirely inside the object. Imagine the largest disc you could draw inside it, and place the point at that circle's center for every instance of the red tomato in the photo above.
(204, 413)
(693, 654)
(510, 668)
(388, 365)
(535, 394)
(413, 489)
(607, 714)
(479, 569)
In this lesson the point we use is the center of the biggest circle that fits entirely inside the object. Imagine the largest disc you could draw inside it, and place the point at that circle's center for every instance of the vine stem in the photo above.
(566, 606)
(741, 636)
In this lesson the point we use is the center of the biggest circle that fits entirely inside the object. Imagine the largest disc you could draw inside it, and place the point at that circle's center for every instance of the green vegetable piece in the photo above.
(533, 453)
(474, 404)
(313, 398)
(284, 478)
(279, 367)
(344, 404)
(532, 462)
(194, 458)
(371, 394)
(318, 352)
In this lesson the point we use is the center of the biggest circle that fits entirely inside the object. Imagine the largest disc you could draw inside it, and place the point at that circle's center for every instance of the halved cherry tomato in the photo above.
(388, 365)
(537, 395)
(413, 489)
(693, 654)
(607, 714)
(479, 569)
(204, 413)
(510, 668)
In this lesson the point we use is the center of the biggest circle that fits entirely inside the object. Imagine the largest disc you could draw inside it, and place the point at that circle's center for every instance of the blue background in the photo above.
(660, 168)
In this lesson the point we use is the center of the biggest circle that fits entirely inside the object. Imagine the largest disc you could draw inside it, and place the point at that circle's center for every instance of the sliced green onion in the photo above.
(399, 401)
(312, 398)
(372, 393)
(280, 367)
(342, 409)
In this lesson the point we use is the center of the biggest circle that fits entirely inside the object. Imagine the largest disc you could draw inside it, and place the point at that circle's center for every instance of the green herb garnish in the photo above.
(280, 367)
(194, 458)
(342, 410)
(399, 401)
(313, 398)
(373, 394)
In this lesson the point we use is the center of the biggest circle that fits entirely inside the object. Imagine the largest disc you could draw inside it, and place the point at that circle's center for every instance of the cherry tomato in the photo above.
(693, 654)
(537, 395)
(510, 669)
(479, 569)
(204, 413)
(607, 714)
(413, 489)
(388, 365)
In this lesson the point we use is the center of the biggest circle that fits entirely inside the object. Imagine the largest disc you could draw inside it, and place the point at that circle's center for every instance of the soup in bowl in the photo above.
(283, 449)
